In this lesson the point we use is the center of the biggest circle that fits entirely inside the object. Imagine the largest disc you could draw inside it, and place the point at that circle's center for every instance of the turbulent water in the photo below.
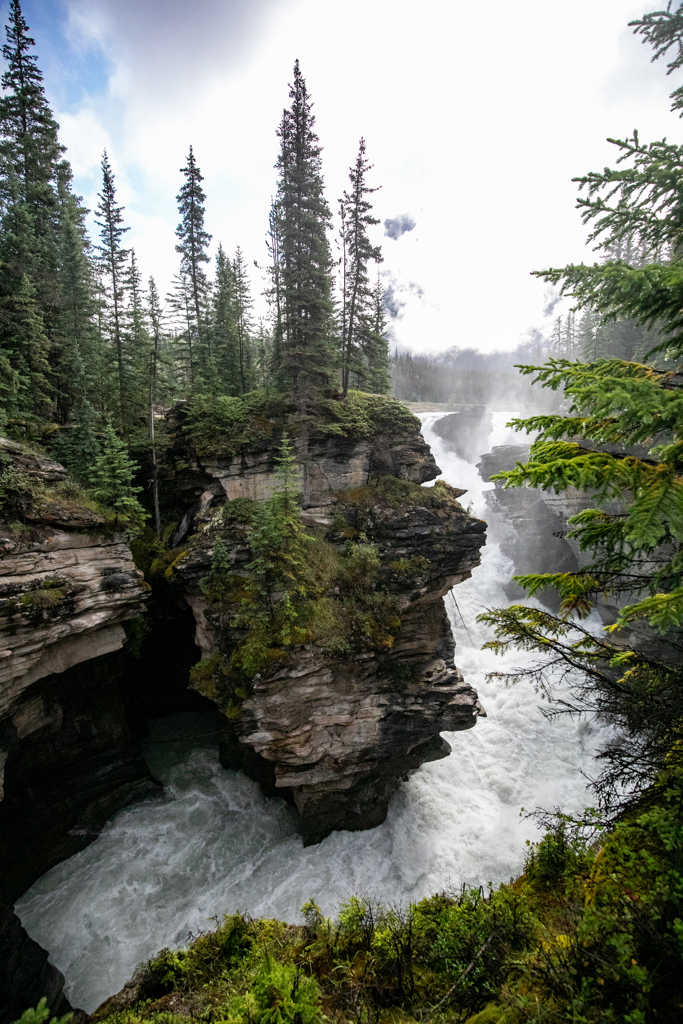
(215, 844)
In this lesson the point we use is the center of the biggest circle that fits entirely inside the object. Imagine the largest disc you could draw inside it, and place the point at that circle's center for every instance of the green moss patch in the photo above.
(361, 415)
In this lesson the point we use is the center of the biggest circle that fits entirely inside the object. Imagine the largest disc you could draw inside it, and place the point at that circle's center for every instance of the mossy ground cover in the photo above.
(224, 426)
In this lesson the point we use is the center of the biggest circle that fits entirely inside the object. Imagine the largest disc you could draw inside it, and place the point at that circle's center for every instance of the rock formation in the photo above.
(336, 735)
(466, 431)
(333, 733)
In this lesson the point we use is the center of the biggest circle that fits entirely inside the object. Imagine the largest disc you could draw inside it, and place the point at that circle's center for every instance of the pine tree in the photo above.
(357, 253)
(137, 342)
(621, 443)
(224, 341)
(304, 259)
(274, 293)
(113, 259)
(181, 306)
(154, 314)
(376, 344)
(111, 479)
(29, 145)
(193, 242)
(242, 320)
(78, 360)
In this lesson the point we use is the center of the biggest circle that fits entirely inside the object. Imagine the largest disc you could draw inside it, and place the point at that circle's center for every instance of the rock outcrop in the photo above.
(196, 478)
(335, 735)
(67, 758)
(538, 521)
(467, 432)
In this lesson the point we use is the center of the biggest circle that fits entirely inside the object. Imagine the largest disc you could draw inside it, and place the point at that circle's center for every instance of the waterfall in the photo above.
(214, 844)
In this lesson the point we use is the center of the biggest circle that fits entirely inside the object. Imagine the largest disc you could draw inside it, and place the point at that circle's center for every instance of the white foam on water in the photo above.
(215, 844)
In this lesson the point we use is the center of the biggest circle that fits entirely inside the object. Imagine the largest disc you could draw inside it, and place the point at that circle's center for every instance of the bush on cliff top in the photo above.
(223, 426)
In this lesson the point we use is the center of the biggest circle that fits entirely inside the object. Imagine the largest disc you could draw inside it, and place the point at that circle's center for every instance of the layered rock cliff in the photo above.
(335, 729)
(67, 758)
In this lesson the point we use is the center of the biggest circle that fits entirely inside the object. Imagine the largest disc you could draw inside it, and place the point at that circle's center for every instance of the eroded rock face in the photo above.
(336, 736)
(334, 463)
(467, 431)
(67, 758)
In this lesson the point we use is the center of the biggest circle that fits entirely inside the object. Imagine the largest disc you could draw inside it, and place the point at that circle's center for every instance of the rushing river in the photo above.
(215, 844)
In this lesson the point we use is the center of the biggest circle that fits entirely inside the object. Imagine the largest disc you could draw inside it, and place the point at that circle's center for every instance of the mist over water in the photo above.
(214, 844)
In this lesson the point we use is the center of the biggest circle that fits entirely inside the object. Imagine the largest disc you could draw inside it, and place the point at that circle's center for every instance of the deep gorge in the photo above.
(136, 691)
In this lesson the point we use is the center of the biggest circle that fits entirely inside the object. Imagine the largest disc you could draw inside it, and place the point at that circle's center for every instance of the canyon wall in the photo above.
(67, 758)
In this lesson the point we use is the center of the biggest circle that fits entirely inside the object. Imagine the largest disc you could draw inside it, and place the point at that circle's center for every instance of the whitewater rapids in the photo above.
(215, 844)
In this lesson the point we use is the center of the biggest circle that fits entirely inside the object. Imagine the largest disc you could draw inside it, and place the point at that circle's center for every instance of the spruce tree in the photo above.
(29, 247)
(78, 358)
(29, 144)
(224, 342)
(357, 253)
(242, 319)
(154, 314)
(138, 342)
(193, 242)
(181, 306)
(111, 479)
(377, 373)
(304, 259)
(112, 260)
(274, 293)
(620, 442)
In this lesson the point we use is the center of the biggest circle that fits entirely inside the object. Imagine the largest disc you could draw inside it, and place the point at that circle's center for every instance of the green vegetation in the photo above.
(621, 442)
(86, 349)
(618, 906)
(41, 1013)
(108, 504)
(224, 425)
(362, 415)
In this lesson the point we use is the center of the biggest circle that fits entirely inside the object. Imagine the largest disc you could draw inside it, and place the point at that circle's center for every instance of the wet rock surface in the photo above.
(467, 431)
(537, 541)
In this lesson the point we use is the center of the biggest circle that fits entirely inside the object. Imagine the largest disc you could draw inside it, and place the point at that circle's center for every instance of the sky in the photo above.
(476, 117)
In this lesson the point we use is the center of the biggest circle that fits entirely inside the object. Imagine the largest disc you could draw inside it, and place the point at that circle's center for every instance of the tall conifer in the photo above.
(78, 363)
(242, 317)
(113, 259)
(223, 331)
(193, 242)
(376, 370)
(28, 140)
(358, 252)
(304, 259)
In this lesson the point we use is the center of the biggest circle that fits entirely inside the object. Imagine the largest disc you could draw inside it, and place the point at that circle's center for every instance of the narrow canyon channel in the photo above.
(214, 844)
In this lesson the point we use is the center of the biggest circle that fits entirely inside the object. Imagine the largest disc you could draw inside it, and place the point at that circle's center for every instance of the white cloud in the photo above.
(476, 119)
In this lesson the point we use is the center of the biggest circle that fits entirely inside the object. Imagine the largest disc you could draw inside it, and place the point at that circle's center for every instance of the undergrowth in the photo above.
(224, 426)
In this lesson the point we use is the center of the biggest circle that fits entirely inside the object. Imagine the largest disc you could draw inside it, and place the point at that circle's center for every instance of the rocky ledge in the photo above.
(335, 733)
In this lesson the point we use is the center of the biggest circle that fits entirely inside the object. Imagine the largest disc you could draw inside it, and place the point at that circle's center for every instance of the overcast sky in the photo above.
(476, 117)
